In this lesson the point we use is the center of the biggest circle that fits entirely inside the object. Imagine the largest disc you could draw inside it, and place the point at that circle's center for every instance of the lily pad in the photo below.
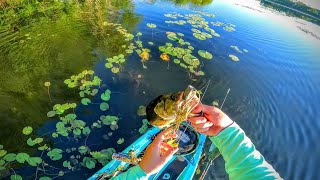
(104, 106)
(27, 130)
(205, 54)
(83, 149)
(10, 157)
(109, 65)
(86, 131)
(106, 95)
(22, 157)
(177, 61)
(150, 25)
(15, 177)
(3, 152)
(44, 178)
(114, 127)
(115, 70)
(34, 161)
(55, 154)
(234, 58)
(215, 103)
(89, 163)
(120, 141)
(85, 101)
(47, 84)
(141, 111)
(199, 36)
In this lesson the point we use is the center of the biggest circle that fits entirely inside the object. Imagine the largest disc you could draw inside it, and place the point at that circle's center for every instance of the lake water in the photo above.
(274, 93)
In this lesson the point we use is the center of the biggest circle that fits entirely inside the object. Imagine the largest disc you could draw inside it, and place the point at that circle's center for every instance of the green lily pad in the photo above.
(191, 60)
(150, 43)
(150, 25)
(120, 141)
(89, 163)
(55, 154)
(115, 70)
(44, 178)
(10, 157)
(27, 130)
(83, 149)
(47, 84)
(177, 61)
(106, 95)
(51, 114)
(199, 36)
(108, 65)
(76, 131)
(205, 54)
(86, 131)
(66, 164)
(30, 142)
(104, 106)
(141, 111)
(85, 101)
(2, 152)
(34, 161)
(15, 177)
(38, 140)
(114, 126)
(215, 103)
(234, 58)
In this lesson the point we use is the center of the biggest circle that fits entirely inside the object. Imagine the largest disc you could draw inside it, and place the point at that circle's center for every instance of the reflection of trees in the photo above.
(295, 9)
(51, 41)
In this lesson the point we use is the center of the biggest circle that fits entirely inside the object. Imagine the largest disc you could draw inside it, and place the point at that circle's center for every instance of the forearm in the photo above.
(134, 173)
(242, 160)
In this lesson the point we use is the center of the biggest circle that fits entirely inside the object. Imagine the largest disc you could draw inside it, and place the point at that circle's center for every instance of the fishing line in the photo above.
(211, 161)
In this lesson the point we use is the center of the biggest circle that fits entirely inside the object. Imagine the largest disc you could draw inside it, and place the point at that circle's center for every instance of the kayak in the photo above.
(182, 165)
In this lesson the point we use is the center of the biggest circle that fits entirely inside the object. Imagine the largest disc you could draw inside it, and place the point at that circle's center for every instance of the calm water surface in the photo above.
(274, 87)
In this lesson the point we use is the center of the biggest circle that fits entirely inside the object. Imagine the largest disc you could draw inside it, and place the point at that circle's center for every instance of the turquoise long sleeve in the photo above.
(242, 160)
(134, 173)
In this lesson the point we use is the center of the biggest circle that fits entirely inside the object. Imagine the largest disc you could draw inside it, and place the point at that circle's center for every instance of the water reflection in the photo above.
(50, 41)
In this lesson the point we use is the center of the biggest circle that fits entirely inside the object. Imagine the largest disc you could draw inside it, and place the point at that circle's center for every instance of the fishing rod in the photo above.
(216, 153)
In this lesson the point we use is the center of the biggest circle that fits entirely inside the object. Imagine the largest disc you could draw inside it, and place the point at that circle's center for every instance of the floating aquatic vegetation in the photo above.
(201, 35)
(173, 15)
(215, 103)
(245, 50)
(83, 80)
(205, 54)
(206, 14)
(47, 84)
(141, 111)
(234, 58)
(229, 28)
(27, 130)
(180, 22)
(236, 49)
(120, 141)
(217, 23)
(144, 55)
(150, 25)
(104, 106)
(115, 63)
(150, 43)
(106, 95)
(85, 101)
(177, 61)
(164, 57)
(144, 128)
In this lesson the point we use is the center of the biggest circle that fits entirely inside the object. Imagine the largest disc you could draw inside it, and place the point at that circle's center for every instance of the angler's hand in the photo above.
(212, 121)
(158, 153)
